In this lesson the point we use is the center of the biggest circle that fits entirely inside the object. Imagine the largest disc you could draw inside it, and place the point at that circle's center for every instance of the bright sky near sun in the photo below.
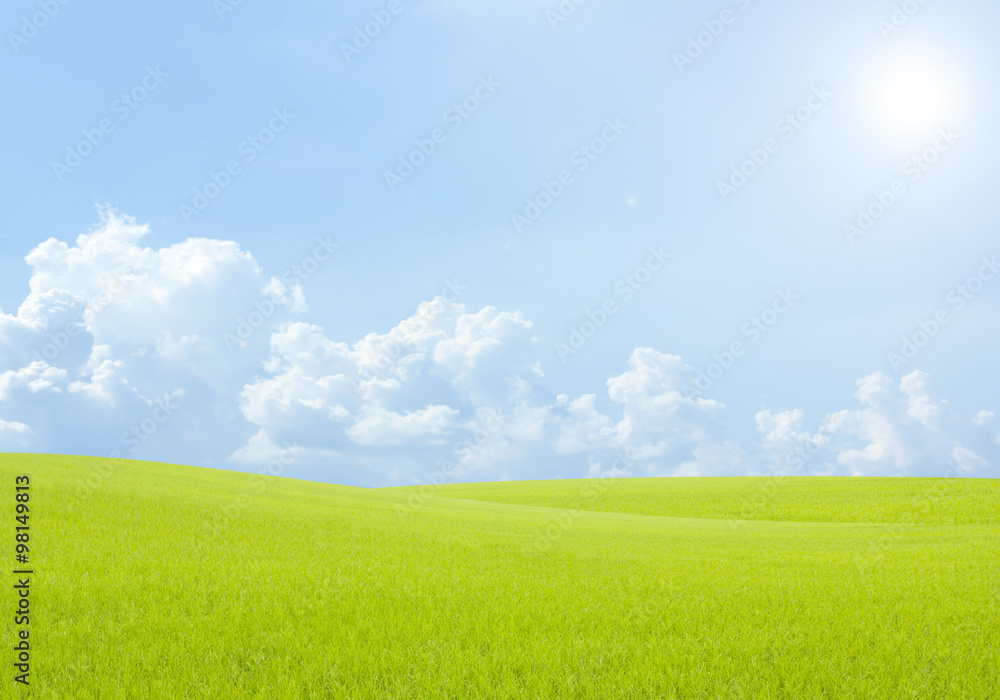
(454, 240)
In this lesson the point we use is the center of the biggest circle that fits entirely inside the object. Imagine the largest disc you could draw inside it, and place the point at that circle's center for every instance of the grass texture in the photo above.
(802, 499)
(159, 581)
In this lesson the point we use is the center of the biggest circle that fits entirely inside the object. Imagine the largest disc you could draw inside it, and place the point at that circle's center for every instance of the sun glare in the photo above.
(912, 99)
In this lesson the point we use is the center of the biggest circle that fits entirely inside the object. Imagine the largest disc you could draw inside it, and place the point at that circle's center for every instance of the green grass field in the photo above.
(158, 581)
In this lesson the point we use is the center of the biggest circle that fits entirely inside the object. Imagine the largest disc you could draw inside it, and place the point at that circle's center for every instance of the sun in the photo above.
(912, 98)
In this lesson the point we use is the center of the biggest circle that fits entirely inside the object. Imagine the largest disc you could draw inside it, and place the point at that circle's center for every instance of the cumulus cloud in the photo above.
(378, 426)
(894, 432)
(36, 377)
(791, 449)
(665, 430)
(110, 325)
(120, 347)
(428, 383)
(422, 385)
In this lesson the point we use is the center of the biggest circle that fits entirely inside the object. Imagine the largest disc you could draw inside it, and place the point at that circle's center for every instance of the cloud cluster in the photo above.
(110, 326)
(907, 432)
(429, 383)
(119, 347)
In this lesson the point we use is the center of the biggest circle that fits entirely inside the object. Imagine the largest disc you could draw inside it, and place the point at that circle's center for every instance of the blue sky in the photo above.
(609, 127)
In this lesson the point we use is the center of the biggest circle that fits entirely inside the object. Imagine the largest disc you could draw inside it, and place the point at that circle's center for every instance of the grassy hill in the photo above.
(165, 581)
(804, 499)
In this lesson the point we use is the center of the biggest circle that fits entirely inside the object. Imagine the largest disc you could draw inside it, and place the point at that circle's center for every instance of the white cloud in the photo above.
(792, 450)
(439, 371)
(909, 433)
(378, 426)
(109, 323)
(967, 461)
(985, 418)
(36, 377)
(658, 419)
(419, 385)
(14, 435)
(110, 327)
(664, 431)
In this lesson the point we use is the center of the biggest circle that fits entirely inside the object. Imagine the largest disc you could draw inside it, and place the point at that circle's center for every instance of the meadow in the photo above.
(778, 498)
(161, 581)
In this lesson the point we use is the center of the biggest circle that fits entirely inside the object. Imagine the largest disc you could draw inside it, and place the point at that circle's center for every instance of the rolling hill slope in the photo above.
(804, 499)
(165, 581)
